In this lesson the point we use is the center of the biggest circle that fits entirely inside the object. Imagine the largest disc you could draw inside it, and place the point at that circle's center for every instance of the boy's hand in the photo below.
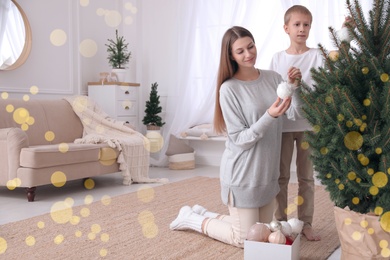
(294, 76)
(348, 20)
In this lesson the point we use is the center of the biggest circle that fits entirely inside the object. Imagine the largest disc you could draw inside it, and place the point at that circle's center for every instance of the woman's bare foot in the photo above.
(308, 232)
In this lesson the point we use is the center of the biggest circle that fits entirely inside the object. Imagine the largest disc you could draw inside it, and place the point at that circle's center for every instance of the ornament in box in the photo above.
(277, 237)
(296, 225)
(286, 228)
(258, 232)
(275, 225)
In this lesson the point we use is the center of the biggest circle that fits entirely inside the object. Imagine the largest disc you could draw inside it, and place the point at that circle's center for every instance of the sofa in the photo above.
(37, 146)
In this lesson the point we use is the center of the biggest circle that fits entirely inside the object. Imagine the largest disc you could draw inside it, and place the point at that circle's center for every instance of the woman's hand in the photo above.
(279, 107)
(294, 76)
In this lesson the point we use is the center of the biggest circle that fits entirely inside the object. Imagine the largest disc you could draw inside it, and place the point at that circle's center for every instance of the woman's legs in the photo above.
(204, 212)
(242, 219)
(187, 219)
(231, 232)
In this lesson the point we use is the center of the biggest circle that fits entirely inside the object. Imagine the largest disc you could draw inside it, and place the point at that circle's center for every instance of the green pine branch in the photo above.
(349, 110)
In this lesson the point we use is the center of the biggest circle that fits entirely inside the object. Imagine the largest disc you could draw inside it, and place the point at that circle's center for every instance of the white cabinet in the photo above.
(118, 99)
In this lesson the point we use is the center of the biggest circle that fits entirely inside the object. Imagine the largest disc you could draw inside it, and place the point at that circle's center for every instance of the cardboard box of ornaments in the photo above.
(277, 249)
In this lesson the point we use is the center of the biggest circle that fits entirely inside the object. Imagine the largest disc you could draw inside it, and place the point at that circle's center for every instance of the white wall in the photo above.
(66, 69)
(63, 70)
(58, 71)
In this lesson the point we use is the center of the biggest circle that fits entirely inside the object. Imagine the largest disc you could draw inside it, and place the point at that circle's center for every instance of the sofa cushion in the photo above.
(53, 155)
(38, 118)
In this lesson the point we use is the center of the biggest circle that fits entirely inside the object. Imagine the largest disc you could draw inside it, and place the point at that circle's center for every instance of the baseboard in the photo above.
(212, 160)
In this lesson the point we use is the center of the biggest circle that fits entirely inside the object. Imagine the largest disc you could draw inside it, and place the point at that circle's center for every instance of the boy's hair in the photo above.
(296, 9)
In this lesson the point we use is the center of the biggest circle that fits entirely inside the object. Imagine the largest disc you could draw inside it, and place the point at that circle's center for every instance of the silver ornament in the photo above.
(275, 225)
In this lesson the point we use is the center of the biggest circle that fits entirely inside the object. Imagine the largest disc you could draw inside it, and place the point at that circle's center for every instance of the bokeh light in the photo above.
(384, 77)
(85, 212)
(41, 224)
(106, 200)
(353, 140)
(3, 245)
(113, 18)
(380, 179)
(145, 193)
(103, 252)
(49, 136)
(59, 239)
(63, 147)
(104, 237)
(61, 212)
(385, 221)
(89, 184)
(84, 3)
(356, 235)
(58, 179)
(4, 95)
(156, 141)
(96, 228)
(30, 240)
(58, 37)
(34, 90)
(88, 199)
(88, 48)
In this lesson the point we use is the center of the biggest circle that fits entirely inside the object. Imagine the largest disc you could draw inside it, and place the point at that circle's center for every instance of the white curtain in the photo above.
(200, 26)
(12, 33)
(4, 8)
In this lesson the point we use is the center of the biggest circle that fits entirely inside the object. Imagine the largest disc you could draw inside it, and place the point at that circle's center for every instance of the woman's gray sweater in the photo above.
(250, 163)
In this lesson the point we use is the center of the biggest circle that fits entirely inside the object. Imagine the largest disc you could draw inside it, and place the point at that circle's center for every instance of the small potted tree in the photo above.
(152, 120)
(118, 55)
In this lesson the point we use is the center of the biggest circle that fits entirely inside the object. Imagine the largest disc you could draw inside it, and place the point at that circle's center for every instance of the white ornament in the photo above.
(296, 225)
(286, 228)
(344, 35)
(284, 90)
(275, 225)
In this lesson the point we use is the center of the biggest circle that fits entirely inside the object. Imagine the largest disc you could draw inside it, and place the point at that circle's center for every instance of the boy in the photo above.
(297, 24)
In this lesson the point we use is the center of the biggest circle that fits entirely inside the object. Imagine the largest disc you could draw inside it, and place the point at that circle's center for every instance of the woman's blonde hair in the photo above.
(227, 68)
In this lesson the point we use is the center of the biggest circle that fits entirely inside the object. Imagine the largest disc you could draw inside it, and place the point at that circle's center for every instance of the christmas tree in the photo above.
(153, 108)
(349, 109)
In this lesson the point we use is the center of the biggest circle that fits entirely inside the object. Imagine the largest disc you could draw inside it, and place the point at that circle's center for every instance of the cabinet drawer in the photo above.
(126, 92)
(131, 120)
(126, 108)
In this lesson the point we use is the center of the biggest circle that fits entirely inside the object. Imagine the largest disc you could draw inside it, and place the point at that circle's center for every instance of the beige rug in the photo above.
(136, 226)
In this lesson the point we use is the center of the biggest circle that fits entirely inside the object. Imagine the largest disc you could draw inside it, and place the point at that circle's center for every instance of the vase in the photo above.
(361, 235)
(120, 74)
(156, 140)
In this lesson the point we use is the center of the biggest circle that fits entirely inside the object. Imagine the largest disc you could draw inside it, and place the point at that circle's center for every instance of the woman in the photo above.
(248, 109)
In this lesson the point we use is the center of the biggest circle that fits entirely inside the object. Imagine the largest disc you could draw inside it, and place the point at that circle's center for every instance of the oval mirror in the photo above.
(15, 35)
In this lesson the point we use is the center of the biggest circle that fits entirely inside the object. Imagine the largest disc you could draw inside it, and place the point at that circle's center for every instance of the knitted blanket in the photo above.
(99, 127)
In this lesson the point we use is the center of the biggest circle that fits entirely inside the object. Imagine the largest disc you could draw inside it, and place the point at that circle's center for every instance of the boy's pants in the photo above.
(304, 174)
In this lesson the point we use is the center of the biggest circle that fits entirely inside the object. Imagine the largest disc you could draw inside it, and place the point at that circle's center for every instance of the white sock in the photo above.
(187, 219)
(202, 211)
